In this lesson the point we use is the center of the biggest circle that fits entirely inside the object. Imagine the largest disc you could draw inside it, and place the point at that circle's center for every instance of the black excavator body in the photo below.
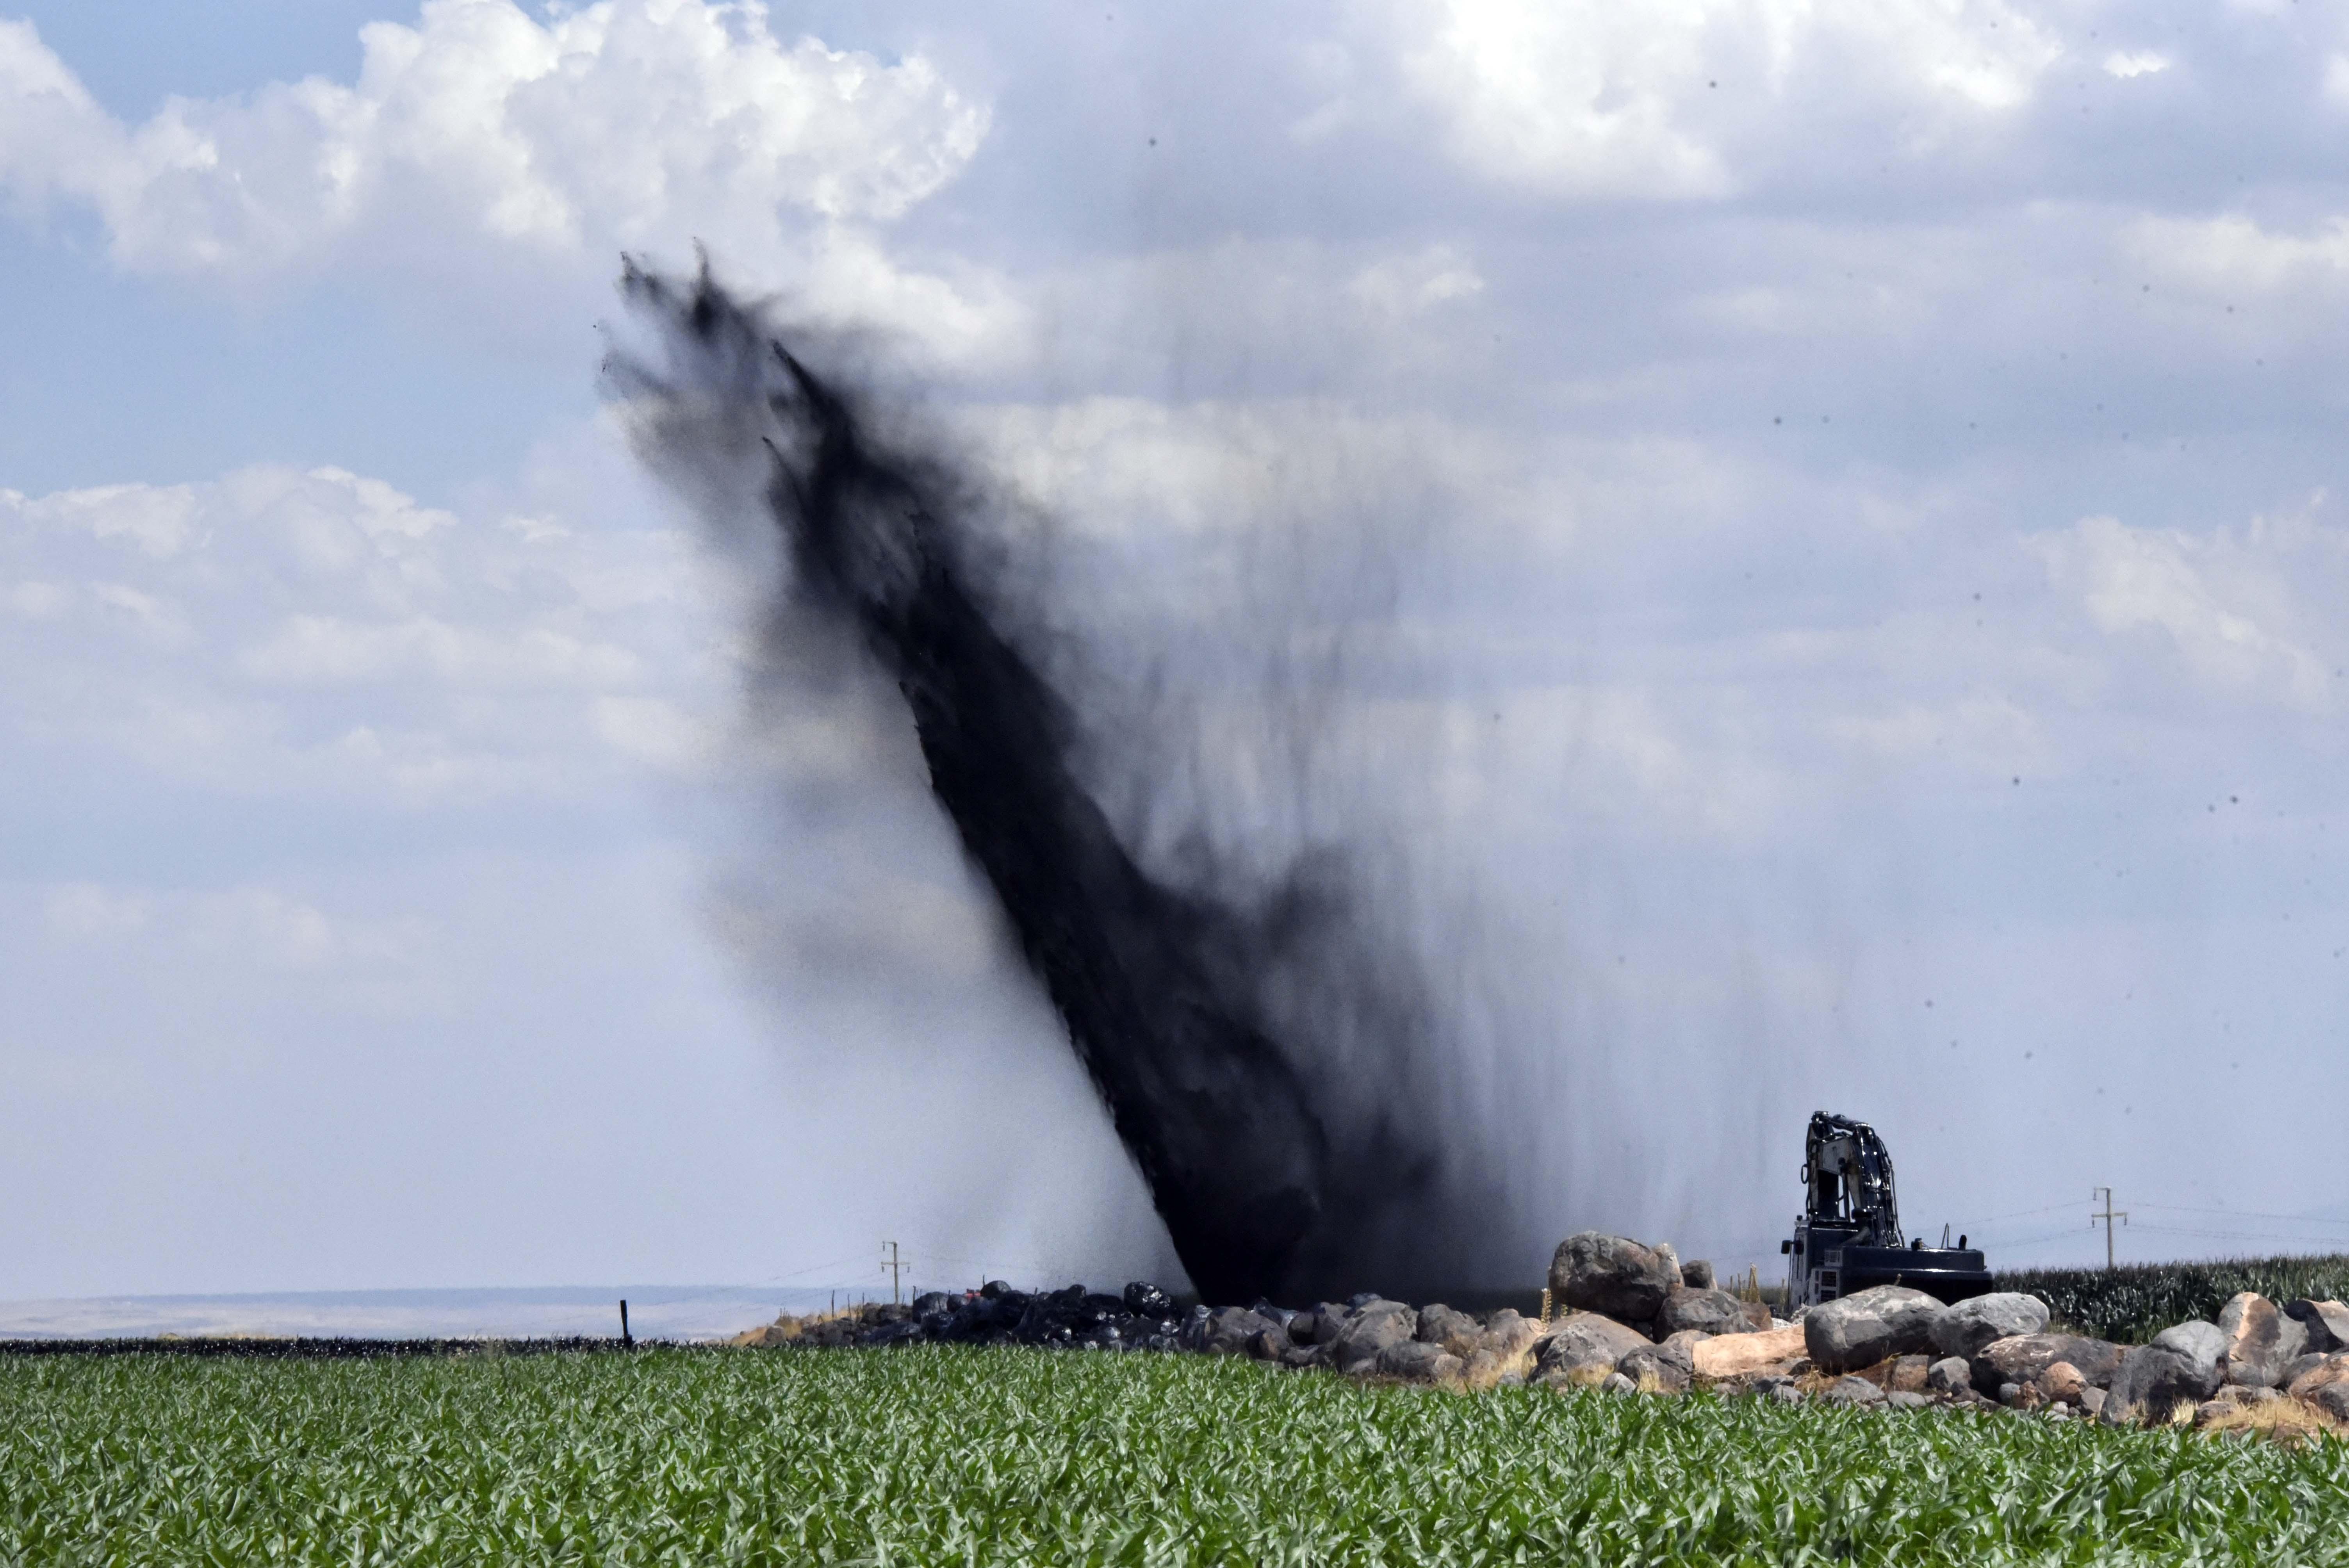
(1849, 1236)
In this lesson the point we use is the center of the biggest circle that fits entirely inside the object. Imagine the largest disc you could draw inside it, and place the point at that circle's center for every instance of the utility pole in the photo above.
(893, 1264)
(2106, 1219)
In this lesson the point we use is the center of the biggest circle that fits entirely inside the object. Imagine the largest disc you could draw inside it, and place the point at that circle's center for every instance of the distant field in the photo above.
(2134, 1303)
(946, 1456)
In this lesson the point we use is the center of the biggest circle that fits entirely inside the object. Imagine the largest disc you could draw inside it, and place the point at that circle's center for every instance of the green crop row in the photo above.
(2134, 1303)
(945, 1456)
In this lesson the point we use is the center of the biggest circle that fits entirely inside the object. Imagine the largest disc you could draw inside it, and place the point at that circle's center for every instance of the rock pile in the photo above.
(1636, 1320)
(1143, 1318)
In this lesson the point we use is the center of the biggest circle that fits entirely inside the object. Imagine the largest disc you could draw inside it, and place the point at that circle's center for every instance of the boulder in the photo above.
(1711, 1311)
(2327, 1323)
(1270, 1345)
(2198, 1342)
(1611, 1276)
(1376, 1325)
(2092, 1401)
(1744, 1355)
(1456, 1331)
(2062, 1381)
(2023, 1358)
(1585, 1342)
(2261, 1341)
(1508, 1336)
(1146, 1300)
(2326, 1373)
(1322, 1325)
(1665, 1251)
(1850, 1390)
(1867, 1326)
(2333, 1399)
(1655, 1368)
(1227, 1330)
(1964, 1327)
(1907, 1374)
(1415, 1361)
(2154, 1380)
(1697, 1275)
(1951, 1374)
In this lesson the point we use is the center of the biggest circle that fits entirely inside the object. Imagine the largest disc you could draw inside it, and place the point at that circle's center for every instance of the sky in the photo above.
(1827, 510)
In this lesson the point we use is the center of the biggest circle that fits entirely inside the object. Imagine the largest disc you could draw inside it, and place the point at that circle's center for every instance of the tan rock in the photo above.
(1738, 1354)
(2062, 1380)
(1587, 1339)
(2334, 1368)
(1508, 1338)
(1908, 1375)
(2260, 1340)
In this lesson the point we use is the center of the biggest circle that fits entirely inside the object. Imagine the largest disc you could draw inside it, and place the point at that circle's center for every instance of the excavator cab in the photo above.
(1847, 1237)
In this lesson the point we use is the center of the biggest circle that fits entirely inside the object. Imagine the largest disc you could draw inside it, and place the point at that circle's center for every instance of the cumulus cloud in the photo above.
(616, 124)
(1683, 100)
(2222, 601)
(288, 631)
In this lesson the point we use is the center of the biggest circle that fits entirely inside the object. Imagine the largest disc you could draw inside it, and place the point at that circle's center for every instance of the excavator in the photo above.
(1847, 1237)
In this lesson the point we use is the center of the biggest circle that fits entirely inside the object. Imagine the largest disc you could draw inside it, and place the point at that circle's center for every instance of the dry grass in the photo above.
(2286, 1421)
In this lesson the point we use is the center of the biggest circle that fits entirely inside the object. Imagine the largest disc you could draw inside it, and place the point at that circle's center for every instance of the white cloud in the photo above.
(321, 632)
(2139, 63)
(622, 124)
(2222, 601)
(1676, 99)
(2234, 255)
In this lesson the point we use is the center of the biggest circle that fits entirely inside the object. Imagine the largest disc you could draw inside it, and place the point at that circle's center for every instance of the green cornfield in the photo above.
(2136, 1301)
(950, 1456)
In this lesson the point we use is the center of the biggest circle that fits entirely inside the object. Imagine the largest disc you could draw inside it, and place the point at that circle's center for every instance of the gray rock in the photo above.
(1611, 1276)
(2328, 1370)
(1902, 1399)
(1786, 1392)
(2024, 1357)
(1710, 1311)
(2011, 1396)
(1951, 1374)
(1586, 1341)
(2261, 1341)
(2198, 1342)
(2296, 1365)
(1376, 1325)
(1414, 1361)
(1456, 1331)
(1671, 1257)
(1770, 1387)
(2327, 1323)
(1618, 1384)
(1862, 1329)
(1651, 1366)
(2154, 1380)
(1697, 1275)
(2333, 1399)
(1852, 1392)
(1965, 1326)
(1227, 1330)
(1270, 1344)
(2092, 1401)
(1507, 1336)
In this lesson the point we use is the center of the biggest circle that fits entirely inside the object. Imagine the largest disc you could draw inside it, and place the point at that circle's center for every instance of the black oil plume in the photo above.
(1285, 1159)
